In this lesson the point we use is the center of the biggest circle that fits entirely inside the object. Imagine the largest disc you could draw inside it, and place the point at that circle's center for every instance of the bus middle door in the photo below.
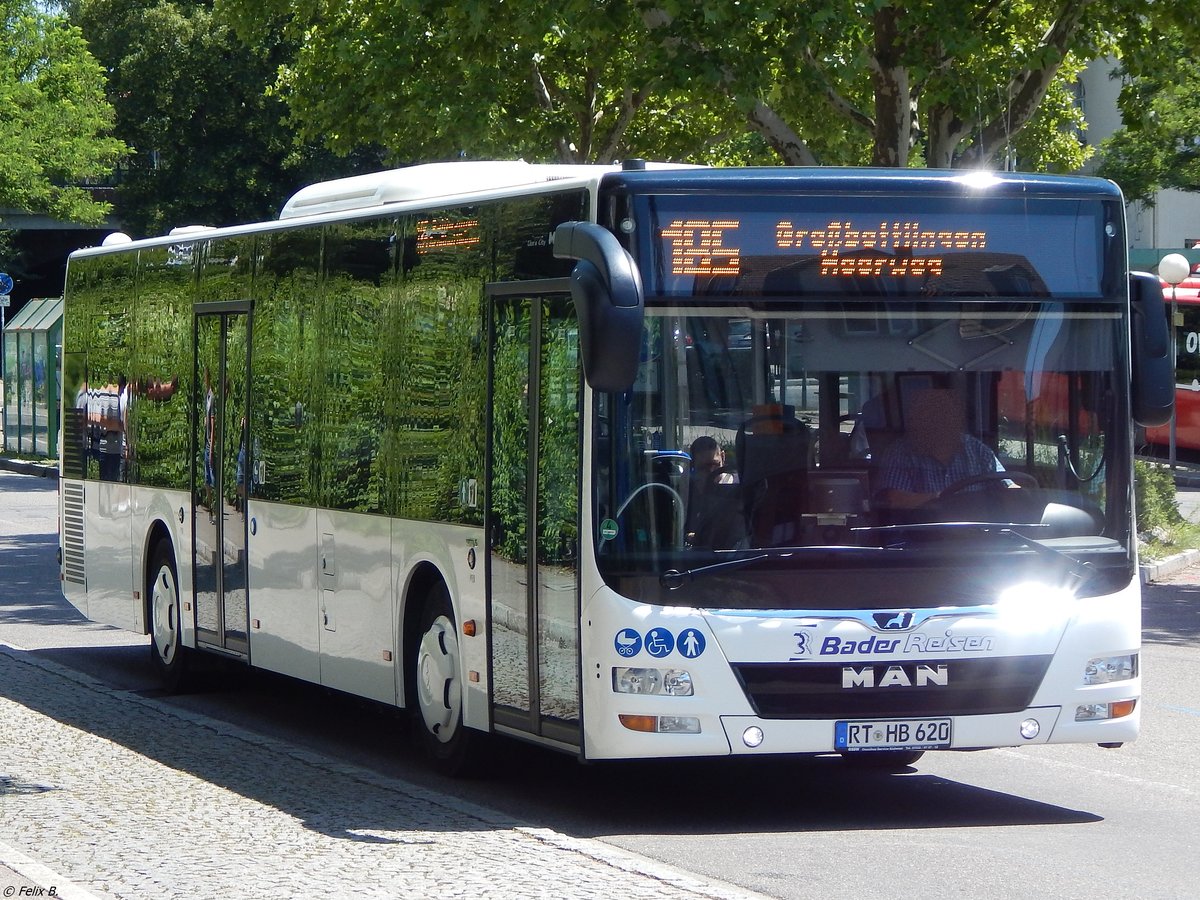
(220, 475)
(533, 497)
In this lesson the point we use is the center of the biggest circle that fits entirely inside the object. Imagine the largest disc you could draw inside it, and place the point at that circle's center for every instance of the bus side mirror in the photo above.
(1153, 375)
(607, 289)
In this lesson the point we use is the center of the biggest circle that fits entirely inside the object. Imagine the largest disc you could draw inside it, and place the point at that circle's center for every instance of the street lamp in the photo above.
(1173, 268)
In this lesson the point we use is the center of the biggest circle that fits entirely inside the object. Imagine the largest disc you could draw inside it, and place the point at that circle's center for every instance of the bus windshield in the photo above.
(957, 422)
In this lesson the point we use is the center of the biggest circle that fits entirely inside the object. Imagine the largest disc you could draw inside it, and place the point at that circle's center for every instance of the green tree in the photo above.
(56, 119)
(1158, 146)
(211, 144)
(944, 83)
(573, 82)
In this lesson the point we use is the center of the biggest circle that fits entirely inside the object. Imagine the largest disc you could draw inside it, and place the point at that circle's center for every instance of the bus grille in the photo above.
(72, 529)
(901, 689)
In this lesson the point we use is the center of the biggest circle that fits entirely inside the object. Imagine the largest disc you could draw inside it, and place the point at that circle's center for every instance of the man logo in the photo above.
(895, 676)
(893, 621)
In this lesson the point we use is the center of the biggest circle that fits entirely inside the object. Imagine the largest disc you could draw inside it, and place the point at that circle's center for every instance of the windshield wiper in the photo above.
(673, 579)
(1078, 569)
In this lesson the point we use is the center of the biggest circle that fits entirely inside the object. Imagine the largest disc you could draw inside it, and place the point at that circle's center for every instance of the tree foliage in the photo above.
(56, 119)
(1158, 146)
(211, 143)
(434, 80)
(941, 83)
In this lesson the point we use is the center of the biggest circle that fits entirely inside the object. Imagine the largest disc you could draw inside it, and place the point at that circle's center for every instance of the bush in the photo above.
(1154, 492)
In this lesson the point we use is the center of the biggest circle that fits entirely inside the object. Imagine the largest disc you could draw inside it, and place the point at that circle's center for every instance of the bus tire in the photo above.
(438, 689)
(167, 652)
(882, 760)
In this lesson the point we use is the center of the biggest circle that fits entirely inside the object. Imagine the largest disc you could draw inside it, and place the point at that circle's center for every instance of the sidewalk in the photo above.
(21, 876)
(120, 795)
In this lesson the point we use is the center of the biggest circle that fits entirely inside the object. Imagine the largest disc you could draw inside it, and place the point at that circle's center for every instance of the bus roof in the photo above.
(849, 180)
(477, 181)
(428, 182)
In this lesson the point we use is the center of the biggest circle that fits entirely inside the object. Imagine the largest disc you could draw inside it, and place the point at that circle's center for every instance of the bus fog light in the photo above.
(1030, 729)
(678, 725)
(1110, 668)
(1092, 712)
(753, 736)
(672, 682)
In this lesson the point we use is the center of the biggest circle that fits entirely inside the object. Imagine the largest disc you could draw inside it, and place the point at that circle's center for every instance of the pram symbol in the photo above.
(628, 642)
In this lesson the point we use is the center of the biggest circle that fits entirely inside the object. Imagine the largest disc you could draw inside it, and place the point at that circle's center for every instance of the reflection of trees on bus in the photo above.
(367, 384)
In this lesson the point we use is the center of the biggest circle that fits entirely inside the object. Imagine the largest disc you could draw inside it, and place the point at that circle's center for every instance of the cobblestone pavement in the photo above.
(120, 795)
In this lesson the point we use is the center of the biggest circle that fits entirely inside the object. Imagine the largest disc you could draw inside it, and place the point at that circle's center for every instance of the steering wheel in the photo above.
(677, 505)
(1022, 479)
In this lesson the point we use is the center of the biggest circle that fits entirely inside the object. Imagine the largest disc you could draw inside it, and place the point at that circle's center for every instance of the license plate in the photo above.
(892, 734)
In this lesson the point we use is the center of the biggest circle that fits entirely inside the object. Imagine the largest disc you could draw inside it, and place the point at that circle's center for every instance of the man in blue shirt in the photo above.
(934, 453)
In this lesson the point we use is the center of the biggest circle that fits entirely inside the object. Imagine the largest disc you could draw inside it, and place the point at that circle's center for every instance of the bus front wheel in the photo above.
(438, 689)
(167, 652)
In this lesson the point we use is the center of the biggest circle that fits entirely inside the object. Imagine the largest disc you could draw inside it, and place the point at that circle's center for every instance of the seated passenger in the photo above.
(714, 513)
(708, 463)
(934, 453)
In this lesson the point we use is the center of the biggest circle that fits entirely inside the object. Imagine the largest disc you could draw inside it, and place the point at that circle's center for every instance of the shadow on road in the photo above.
(1171, 613)
(527, 785)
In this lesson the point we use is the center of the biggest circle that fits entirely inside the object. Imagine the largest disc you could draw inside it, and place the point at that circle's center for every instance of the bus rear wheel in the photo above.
(438, 690)
(167, 652)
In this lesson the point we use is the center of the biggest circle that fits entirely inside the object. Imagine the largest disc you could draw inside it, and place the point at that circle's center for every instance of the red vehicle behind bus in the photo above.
(1186, 298)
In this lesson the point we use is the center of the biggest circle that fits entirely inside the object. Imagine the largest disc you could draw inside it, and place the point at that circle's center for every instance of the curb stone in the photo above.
(21, 467)
(32, 871)
(1163, 568)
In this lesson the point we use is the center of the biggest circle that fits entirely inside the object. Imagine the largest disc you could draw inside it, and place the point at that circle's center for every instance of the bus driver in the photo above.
(935, 452)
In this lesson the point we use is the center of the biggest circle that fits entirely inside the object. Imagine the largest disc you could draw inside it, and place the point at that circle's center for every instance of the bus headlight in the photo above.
(672, 682)
(1105, 669)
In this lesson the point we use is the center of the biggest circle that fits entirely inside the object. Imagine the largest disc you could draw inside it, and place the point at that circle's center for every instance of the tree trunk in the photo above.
(1028, 87)
(945, 132)
(893, 95)
(783, 140)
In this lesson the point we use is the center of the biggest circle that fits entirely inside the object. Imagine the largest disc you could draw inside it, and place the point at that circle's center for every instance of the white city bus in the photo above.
(428, 438)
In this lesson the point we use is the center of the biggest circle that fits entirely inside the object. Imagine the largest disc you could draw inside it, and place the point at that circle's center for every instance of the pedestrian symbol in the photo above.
(659, 642)
(691, 643)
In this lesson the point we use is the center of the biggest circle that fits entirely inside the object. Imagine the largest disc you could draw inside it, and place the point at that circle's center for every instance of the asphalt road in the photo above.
(1067, 821)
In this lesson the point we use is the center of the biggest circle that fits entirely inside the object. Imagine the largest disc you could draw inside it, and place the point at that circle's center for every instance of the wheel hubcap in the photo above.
(165, 606)
(438, 689)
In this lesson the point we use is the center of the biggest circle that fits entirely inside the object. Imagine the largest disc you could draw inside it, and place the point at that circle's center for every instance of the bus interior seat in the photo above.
(660, 509)
(773, 457)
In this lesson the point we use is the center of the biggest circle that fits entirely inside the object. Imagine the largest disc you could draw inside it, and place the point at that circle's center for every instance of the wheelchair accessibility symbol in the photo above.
(628, 642)
(659, 642)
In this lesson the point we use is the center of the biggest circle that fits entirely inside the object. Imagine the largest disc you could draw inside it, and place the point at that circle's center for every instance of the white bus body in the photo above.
(401, 444)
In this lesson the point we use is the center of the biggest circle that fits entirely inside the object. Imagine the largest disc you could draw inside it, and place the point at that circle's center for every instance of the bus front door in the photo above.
(219, 476)
(533, 499)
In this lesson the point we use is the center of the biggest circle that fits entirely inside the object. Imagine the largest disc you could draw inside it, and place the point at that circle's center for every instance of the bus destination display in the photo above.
(873, 246)
(711, 247)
